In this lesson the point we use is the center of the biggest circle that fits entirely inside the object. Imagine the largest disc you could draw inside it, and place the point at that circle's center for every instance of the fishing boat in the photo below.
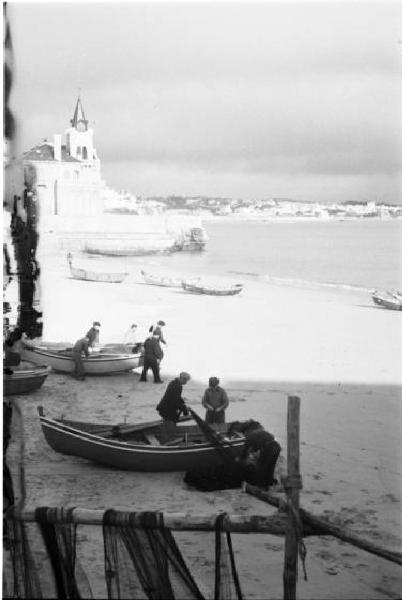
(164, 281)
(136, 447)
(212, 290)
(103, 277)
(24, 378)
(141, 247)
(99, 363)
(388, 299)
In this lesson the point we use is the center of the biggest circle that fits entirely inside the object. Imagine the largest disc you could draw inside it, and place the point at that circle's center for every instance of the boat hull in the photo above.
(24, 381)
(199, 289)
(98, 364)
(85, 275)
(131, 456)
(387, 302)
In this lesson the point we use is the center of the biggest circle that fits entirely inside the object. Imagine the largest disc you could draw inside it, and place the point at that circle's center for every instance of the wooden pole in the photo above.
(313, 525)
(292, 486)
(273, 524)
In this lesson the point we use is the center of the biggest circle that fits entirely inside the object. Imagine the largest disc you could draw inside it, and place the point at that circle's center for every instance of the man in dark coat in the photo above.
(259, 457)
(153, 355)
(171, 406)
(80, 347)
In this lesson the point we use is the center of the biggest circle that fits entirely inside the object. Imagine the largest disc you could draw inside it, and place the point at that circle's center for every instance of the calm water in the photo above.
(362, 254)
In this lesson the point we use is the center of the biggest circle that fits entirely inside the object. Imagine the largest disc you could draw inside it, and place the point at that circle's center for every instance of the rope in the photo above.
(298, 528)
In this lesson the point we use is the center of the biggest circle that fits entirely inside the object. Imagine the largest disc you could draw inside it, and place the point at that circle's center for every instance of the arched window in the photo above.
(84, 153)
(78, 149)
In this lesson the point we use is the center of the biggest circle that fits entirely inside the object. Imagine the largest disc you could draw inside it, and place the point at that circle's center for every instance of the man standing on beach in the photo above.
(153, 355)
(158, 330)
(80, 347)
(171, 406)
(93, 334)
(215, 400)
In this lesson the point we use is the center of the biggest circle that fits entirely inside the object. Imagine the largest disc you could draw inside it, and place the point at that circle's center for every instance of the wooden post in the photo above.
(292, 486)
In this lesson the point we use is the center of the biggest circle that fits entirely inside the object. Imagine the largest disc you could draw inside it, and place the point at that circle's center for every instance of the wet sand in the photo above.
(336, 351)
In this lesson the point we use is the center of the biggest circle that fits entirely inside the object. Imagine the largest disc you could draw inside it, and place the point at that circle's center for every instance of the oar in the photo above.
(213, 437)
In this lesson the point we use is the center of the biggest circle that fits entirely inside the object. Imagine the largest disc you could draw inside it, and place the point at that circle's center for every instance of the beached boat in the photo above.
(164, 281)
(193, 240)
(118, 247)
(103, 277)
(136, 447)
(212, 290)
(24, 378)
(386, 299)
(99, 363)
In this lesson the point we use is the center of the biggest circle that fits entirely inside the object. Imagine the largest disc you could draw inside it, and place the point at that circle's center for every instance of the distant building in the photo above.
(68, 176)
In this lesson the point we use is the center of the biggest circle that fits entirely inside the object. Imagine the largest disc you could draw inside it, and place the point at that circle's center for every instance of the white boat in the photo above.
(388, 299)
(161, 281)
(140, 247)
(102, 277)
(100, 363)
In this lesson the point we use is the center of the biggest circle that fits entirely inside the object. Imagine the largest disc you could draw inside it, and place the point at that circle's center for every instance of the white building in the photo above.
(68, 177)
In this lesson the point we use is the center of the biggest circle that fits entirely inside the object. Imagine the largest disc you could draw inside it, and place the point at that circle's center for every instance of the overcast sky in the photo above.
(247, 100)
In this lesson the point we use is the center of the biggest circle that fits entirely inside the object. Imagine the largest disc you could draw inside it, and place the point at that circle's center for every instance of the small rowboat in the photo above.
(24, 378)
(85, 275)
(101, 363)
(199, 288)
(164, 281)
(390, 300)
(135, 447)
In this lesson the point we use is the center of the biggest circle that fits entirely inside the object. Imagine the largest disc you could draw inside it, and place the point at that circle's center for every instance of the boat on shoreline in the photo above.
(140, 247)
(212, 290)
(387, 299)
(99, 363)
(164, 281)
(24, 378)
(137, 447)
(99, 276)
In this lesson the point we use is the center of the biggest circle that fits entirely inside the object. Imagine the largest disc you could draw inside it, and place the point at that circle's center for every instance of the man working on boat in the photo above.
(93, 334)
(171, 406)
(153, 355)
(158, 330)
(80, 347)
(215, 400)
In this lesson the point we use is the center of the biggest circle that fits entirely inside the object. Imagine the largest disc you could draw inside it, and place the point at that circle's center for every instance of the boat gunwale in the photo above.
(99, 358)
(59, 427)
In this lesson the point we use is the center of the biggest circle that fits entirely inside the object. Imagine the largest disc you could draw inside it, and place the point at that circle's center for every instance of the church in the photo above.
(68, 176)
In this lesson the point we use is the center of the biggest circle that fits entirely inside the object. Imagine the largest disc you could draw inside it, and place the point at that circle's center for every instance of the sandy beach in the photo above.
(334, 349)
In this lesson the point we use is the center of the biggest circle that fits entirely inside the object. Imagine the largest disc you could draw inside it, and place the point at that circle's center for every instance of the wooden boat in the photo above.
(390, 300)
(85, 275)
(110, 247)
(24, 378)
(100, 363)
(135, 447)
(200, 288)
(164, 281)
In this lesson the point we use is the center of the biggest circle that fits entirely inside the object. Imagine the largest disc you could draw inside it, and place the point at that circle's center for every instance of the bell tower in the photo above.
(79, 137)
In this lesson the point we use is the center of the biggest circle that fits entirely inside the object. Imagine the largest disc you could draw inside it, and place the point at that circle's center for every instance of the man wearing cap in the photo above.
(215, 400)
(93, 334)
(158, 330)
(153, 355)
(80, 347)
(171, 406)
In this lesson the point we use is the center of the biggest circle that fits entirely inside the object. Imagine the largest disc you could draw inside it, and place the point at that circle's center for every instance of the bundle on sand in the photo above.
(230, 473)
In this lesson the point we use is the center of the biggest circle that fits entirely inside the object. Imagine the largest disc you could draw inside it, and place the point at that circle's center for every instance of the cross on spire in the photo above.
(79, 121)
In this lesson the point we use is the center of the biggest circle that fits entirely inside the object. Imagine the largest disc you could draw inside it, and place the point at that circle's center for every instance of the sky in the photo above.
(241, 100)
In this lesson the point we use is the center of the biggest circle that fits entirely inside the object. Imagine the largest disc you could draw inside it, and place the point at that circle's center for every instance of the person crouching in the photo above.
(80, 347)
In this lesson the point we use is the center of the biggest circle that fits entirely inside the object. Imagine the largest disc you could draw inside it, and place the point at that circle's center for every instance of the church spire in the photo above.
(79, 121)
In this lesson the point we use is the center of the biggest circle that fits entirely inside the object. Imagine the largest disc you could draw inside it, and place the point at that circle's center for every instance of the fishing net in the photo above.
(144, 562)
(60, 537)
(227, 585)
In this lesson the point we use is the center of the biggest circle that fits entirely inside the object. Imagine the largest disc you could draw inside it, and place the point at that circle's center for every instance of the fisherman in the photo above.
(153, 355)
(215, 400)
(130, 337)
(80, 347)
(259, 456)
(158, 330)
(93, 334)
(172, 406)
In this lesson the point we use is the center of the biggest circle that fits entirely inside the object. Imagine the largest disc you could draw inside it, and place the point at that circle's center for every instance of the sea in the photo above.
(358, 254)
